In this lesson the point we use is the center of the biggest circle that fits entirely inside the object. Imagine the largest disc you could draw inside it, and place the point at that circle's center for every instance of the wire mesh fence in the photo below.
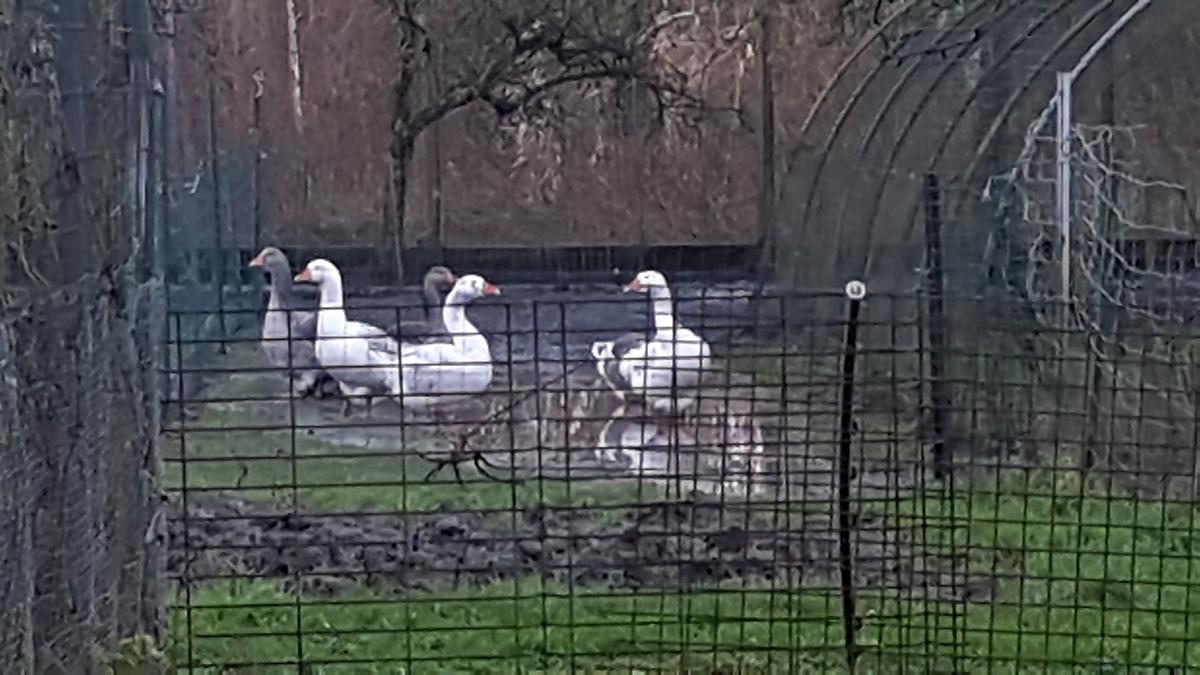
(80, 313)
(990, 462)
(849, 484)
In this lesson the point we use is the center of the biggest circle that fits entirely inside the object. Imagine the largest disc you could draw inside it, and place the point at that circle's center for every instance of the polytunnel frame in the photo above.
(939, 45)
(1064, 136)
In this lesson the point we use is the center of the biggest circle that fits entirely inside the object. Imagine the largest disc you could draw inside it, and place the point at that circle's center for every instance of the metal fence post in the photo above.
(1062, 149)
(855, 292)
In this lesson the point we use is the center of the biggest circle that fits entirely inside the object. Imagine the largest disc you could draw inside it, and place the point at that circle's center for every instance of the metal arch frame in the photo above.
(869, 78)
(1061, 101)
(1075, 30)
(1080, 25)
(856, 95)
(1087, 58)
(819, 105)
(953, 124)
(914, 116)
(839, 74)
(1004, 113)
(969, 174)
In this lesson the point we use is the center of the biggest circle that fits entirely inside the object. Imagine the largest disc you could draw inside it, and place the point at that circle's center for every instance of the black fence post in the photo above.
(855, 292)
(935, 289)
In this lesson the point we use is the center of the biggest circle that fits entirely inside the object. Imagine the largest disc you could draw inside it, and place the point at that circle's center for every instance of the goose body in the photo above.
(653, 368)
(609, 355)
(288, 328)
(363, 359)
(461, 363)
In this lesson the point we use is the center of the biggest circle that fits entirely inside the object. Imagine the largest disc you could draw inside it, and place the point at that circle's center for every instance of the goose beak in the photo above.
(257, 262)
(633, 286)
(303, 276)
(491, 289)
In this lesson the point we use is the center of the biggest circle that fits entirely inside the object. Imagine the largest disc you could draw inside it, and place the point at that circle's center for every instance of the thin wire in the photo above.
(916, 552)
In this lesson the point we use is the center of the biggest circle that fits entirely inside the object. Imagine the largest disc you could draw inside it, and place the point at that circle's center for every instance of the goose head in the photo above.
(646, 282)
(439, 279)
(471, 287)
(272, 261)
(320, 272)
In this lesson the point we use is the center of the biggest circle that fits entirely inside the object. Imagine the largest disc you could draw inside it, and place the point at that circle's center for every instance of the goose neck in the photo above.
(275, 299)
(664, 313)
(432, 300)
(281, 286)
(454, 313)
(331, 319)
(281, 280)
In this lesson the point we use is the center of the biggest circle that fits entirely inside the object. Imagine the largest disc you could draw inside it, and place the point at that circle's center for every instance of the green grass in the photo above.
(1069, 576)
(1082, 574)
(515, 626)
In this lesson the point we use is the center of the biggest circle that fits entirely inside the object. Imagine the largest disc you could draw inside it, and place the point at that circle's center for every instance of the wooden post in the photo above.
(934, 288)
(218, 226)
(258, 157)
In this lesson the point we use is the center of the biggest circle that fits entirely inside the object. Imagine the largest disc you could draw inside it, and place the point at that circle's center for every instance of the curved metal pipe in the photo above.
(1080, 25)
(834, 81)
(1041, 66)
(850, 105)
(966, 106)
(816, 108)
(1086, 60)
(909, 124)
(1006, 110)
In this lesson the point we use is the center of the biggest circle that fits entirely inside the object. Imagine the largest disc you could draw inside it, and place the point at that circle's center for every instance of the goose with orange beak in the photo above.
(654, 368)
(362, 358)
(460, 367)
(288, 328)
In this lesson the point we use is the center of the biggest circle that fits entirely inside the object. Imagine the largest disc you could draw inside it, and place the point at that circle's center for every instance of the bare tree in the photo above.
(510, 55)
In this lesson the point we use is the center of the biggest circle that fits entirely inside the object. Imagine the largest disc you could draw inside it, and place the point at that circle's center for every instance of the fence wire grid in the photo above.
(850, 486)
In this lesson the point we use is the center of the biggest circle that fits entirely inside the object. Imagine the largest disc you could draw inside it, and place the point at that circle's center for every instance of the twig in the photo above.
(462, 452)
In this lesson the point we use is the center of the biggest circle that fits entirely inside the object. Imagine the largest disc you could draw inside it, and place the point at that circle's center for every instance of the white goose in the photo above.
(653, 368)
(363, 358)
(439, 371)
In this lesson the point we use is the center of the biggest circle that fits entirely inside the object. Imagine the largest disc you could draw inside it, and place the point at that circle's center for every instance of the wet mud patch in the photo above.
(675, 545)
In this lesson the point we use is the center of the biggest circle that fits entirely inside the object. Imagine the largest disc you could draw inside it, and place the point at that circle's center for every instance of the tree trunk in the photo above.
(401, 154)
(766, 186)
(439, 236)
(76, 252)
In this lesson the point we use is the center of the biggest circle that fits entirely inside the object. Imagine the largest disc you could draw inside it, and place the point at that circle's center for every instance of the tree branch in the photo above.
(540, 54)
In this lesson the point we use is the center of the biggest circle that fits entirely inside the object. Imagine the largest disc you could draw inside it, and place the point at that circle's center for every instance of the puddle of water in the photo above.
(710, 452)
(549, 419)
(537, 422)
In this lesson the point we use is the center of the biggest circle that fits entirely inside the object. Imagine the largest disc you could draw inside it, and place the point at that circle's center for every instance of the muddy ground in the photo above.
(678, 545)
